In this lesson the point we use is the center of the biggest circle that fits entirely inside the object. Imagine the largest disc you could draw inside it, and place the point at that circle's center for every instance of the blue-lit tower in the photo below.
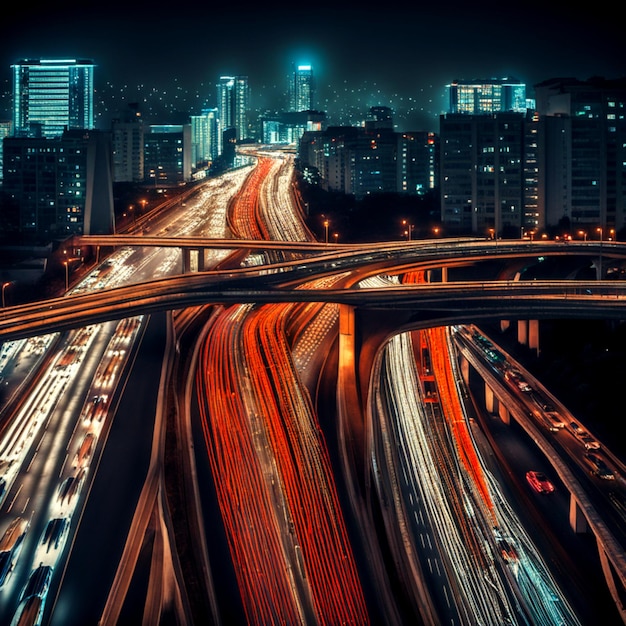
(233, 103)
(301, 89)
(52, 95)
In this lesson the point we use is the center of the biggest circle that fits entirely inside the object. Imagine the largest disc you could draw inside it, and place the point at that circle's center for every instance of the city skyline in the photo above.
(398, 57)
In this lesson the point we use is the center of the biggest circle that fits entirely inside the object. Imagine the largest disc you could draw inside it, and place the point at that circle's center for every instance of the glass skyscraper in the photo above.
(52, 95)
(233, 102)
(301, 92)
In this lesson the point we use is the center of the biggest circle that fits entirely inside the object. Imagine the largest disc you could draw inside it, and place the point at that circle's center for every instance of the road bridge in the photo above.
(441, 253)
(369, 316)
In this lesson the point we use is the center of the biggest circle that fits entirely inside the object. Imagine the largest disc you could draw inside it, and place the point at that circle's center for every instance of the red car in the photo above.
(539, 482)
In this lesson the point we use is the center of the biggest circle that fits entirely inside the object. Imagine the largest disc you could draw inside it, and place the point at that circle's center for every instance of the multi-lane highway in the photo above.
(336, 505)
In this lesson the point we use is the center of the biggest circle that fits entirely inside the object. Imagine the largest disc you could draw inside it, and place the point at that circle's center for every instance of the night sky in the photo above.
(387, 54)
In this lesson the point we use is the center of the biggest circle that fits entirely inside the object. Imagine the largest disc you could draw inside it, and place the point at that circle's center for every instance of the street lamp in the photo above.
(67, 278)
(583, 234)
(409, 229)
(4, 286)
(326, 224)
(600, 259)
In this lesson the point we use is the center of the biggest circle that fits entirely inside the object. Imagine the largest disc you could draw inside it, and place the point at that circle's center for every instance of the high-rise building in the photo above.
(487, 96)
(62, 186)
(127, 135)
(483, 178)
(52, 95)
(233, 104)
(370, 159)
(204, 137)
(5, 131)
(167, 154)
(302, 89)
(583, 153)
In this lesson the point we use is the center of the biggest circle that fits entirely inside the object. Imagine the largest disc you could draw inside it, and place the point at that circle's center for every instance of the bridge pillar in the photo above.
(186, 260)
(504, 414)
(193, 260)
(528, 333)
(201, 255)
(577, 520)
(504, 325)
(490, 399)
(533, 335)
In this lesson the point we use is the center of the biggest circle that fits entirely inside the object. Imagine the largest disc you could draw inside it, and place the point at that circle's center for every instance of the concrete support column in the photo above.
(491, 402)
(444, 274)
(186, 260)
(504, 414)
(200, 259)
(577, 521)
(504, 325)
(522, 332)
(533, 335)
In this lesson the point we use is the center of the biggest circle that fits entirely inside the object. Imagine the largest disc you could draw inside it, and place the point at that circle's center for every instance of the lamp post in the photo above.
(600, 260)
(4, 286)
(326, 224)
(409, 229)
(67, 277)
(583, 234)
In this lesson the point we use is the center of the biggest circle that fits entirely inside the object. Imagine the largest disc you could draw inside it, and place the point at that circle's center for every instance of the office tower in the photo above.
(583, 153)
(127, 135)
(5, 131)
(487, 96)
(365, 160)
(50, 96)
(287, 127)
(483, 174)
(233, 103)
(301, 89)
(63, 186)
(204, 138)
(167, 154)
(417, 162)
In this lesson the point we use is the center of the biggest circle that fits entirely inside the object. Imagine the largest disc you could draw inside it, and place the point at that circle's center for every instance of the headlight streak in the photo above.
(461, 501)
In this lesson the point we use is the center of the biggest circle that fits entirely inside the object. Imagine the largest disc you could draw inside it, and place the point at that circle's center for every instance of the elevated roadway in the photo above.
(399, 307)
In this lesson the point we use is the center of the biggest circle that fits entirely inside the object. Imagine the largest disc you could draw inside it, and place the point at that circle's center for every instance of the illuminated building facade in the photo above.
(487, 96)
(233, 104)
(301, 89)
(583, 152)
(167, 154)
(51, 96)
(62, 186)
(128, 137)
(204, 138)
(370, 159)
(483, 179)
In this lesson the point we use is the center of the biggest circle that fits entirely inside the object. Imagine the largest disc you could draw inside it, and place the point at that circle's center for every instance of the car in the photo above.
(598, 467)
(589, 442)
(539, 482)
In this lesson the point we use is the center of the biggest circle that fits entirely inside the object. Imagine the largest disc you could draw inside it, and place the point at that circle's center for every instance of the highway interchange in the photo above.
(289, 504)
